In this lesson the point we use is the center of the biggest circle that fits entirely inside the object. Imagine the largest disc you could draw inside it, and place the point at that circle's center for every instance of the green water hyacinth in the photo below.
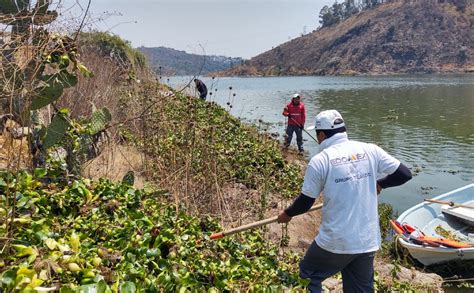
(96, 235)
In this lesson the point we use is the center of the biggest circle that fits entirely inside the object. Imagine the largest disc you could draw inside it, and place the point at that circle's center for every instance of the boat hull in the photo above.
(433, 255)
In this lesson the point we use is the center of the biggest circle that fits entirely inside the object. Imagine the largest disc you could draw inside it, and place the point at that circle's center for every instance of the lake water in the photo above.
(426, 121)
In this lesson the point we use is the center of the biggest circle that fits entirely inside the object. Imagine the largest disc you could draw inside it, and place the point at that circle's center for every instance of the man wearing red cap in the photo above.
(345, 172)
(296, 114)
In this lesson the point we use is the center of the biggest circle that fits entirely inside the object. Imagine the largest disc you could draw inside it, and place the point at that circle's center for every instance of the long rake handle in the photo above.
(254, 225)
(299, 125)
(450, 203)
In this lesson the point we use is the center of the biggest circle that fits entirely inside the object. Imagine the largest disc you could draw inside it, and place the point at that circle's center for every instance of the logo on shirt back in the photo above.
(354, 158)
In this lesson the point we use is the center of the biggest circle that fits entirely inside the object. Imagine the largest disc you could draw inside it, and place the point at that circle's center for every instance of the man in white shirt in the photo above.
(345, 171)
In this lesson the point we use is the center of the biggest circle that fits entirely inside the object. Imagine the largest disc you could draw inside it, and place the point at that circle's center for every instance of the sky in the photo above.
(234, 28)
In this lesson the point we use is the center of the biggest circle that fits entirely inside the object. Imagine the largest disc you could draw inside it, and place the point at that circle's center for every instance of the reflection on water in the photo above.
(425, 121)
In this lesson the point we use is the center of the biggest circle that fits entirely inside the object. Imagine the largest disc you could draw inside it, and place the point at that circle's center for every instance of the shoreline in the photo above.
(394, 74)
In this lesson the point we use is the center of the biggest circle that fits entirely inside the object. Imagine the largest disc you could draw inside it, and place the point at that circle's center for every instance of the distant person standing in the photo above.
(201, 88)
(296, 114)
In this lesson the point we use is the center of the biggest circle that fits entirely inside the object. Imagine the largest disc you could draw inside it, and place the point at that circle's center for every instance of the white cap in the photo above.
(296, 95)
(326, 120)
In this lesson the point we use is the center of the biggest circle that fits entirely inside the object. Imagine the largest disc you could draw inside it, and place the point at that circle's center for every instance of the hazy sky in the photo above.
(236, 28)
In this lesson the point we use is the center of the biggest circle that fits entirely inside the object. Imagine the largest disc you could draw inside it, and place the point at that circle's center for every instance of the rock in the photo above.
(58, 154)
(16, 130)
(334, 61)
(414, 277)
(432, 282)
(333, 285)
(239, 186)
(19, 132)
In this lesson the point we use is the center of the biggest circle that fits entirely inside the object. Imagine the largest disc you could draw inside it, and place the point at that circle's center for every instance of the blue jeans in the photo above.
(299, 136)
(357, 269)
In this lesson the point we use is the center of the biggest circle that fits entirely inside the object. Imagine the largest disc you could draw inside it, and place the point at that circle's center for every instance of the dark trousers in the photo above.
(299, 135)
(357, 269)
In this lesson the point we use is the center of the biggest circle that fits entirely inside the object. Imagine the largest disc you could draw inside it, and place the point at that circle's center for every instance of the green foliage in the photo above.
(385, 214)
(8, 7)
(58, 59)
(380, 285)
(331, 15)
(44, 50)
(115, 47)
(14, 6)
(99, 120)
(129, 178)
(53, 89)
(88, 235)
(76, 137)
(55, 131)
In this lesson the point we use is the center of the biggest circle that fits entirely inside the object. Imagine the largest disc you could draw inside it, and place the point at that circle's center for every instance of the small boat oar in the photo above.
(254, 225)
(449, 203)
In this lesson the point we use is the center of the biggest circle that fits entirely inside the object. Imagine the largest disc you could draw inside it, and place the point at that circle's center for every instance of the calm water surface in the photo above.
(425, 121)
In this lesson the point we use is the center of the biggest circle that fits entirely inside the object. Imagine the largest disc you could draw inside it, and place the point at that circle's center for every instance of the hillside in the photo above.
(174, 62)
(419, 37)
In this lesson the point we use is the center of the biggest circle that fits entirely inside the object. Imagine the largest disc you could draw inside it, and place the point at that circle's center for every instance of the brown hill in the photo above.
(423, 36)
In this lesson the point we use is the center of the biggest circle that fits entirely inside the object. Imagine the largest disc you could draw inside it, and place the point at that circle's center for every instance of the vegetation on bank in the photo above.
(197, 149)
(120, 51)
(85, 234)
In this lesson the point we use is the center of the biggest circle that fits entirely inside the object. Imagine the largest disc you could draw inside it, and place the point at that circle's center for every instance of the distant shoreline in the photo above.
(470, 72)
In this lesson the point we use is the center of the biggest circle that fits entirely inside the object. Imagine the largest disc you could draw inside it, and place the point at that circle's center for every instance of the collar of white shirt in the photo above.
(333, 140)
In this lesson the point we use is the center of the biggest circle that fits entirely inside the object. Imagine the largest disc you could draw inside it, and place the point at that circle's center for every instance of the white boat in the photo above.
(428, 217)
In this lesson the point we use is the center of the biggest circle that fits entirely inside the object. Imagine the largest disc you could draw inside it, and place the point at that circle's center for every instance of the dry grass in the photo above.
(14, 153)
(114, 162)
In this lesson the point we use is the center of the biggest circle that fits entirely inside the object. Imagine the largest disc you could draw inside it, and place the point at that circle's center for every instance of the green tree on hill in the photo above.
(331, 15)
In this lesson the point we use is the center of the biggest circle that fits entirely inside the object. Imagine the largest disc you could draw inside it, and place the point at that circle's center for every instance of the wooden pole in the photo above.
(449, 203)
(254, 225)
(299, 125)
